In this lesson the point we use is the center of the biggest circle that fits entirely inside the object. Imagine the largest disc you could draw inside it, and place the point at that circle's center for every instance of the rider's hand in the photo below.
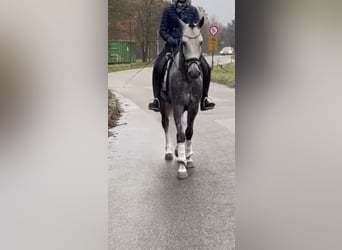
(172, 42)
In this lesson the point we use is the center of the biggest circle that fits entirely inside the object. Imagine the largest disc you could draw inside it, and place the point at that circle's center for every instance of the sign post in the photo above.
(213, 30)
(212, 48)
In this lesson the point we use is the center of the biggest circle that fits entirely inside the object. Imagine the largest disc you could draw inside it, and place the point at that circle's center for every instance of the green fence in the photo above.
(121, 52)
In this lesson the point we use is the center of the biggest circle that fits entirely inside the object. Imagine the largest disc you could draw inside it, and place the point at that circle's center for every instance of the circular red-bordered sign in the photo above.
(213, 30)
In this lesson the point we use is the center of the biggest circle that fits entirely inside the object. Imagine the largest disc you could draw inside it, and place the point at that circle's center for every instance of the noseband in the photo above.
(190, 61)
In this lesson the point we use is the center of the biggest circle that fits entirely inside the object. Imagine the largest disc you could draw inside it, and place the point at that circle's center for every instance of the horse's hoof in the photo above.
(190, 164)
(182, 173)
(169, 156)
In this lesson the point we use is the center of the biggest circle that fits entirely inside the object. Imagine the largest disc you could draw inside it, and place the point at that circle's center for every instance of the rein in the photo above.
(134, 75)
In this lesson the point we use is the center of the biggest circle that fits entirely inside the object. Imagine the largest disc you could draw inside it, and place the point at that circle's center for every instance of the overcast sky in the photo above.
(223, 10)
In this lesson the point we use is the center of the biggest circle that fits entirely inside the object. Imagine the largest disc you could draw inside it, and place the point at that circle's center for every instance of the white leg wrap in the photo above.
(168, 145)
(181, 152)
(188, 149)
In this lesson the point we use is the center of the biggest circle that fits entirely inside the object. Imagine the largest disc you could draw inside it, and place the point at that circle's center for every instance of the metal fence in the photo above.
(121, 52)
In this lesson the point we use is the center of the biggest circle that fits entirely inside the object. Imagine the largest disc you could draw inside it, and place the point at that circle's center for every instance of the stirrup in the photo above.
(151, 105)
(203, 107)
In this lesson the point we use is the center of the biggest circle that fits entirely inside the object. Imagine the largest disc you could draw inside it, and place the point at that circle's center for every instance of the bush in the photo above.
(114, 111)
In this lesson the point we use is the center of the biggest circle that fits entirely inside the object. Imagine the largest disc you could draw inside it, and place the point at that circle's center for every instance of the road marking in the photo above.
(228, 124)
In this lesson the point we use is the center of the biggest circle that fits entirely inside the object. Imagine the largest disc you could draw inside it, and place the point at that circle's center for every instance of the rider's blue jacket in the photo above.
(170, 28)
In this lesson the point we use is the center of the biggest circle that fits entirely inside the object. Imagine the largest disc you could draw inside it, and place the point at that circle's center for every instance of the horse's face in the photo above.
(191, 43)
(191, 47)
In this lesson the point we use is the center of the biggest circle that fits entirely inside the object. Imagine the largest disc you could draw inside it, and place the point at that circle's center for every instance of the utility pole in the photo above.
(130, 42)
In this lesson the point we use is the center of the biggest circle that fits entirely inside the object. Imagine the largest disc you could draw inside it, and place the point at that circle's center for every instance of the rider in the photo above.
(171, 32)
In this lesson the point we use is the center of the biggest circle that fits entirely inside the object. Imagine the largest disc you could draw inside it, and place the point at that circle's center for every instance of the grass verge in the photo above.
(224, 74)
(119, 67)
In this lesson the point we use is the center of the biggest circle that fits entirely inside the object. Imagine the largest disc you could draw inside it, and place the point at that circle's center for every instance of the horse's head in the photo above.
(191, 47)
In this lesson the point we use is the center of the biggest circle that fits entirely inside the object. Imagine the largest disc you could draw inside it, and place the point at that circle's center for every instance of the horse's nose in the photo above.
(194, 72)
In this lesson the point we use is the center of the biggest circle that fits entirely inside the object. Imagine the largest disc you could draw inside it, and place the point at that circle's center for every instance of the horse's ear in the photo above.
(184, 25)
(201, 22)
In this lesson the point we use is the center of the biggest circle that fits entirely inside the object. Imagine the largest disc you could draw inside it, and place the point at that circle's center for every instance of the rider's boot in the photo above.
(206, 104)
(154, 105)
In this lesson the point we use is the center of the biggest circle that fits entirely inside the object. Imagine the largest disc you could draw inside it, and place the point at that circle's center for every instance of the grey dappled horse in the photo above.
(184, 93)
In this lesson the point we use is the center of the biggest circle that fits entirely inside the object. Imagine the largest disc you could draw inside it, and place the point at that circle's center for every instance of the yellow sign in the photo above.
(212, 45)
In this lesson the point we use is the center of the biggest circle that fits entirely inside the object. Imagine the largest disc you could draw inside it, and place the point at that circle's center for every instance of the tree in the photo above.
(137, 20)
(148, 14)
(205, 27)
(117, 12)
(231, 33)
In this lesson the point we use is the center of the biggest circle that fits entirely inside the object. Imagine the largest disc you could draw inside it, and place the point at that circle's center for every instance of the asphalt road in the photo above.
(149, 208)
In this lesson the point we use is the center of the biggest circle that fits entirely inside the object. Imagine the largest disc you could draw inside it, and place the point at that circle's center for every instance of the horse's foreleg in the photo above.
(168, 145)
(178, 112)
(182, 172)
(188, 144)
(188, 133)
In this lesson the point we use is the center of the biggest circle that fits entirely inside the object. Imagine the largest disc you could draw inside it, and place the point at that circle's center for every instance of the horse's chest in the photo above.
(187, 92)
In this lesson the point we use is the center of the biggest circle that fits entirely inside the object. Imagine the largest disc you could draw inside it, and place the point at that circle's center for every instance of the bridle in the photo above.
(188, 62)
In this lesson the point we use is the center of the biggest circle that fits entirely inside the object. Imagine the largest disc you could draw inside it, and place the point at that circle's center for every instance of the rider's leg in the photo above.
(156, 82)
(206, 103)
(157, 79)
(155, 104)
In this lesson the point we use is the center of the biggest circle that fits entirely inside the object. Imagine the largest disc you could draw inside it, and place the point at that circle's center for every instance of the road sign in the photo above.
(212, 43)
(213, 30)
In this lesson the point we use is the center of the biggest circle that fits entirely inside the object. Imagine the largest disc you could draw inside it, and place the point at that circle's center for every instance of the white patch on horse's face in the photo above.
(191, 42)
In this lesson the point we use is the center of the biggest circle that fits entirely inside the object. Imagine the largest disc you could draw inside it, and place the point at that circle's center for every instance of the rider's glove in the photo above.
(172, 42)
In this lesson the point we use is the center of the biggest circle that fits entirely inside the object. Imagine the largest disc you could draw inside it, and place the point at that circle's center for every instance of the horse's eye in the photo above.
(183, 43)
(201, 42)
